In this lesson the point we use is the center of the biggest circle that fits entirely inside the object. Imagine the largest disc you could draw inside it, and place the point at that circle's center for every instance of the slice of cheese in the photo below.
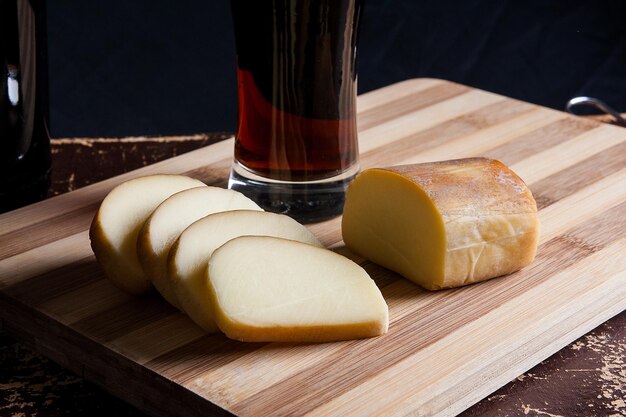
(116, 225)
(442, 224)
(173, 216)
(191, 252)
(267, 289)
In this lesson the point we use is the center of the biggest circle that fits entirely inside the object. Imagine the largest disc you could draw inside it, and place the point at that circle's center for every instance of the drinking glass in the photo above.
(296, 144)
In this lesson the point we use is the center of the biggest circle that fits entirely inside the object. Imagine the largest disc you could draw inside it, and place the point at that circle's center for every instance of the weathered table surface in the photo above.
(585, 378)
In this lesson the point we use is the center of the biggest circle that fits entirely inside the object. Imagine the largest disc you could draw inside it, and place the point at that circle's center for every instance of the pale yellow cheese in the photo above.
(442, 224)
(117, 222)
(267, 289)
(173, 216)
(190, 254)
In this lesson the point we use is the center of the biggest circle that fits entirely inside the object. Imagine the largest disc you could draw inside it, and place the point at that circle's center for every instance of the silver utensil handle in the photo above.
(598, 104)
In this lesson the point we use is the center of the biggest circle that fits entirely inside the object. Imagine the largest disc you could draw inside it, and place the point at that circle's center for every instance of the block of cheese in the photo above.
(191, 252)
(267, 289)
(117, 222)
(442, 224)
(173, 216)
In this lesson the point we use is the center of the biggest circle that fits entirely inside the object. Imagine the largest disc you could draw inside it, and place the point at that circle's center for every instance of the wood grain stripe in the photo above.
(564, 155)
(56, 282)
(439, 135)
(580, 175)
(202, 356)
(157, 338)
(115, 322)
(480, 142)
(423, 119)
(46, 231)
(43, 259)
(538, 140)
(381, 97)
(603, 229)
(215, 175)
(408, 104)
(560, 216)
(84, 301)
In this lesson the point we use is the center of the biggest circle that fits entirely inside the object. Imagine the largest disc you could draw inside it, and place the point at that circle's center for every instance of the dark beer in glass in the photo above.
(296, 142)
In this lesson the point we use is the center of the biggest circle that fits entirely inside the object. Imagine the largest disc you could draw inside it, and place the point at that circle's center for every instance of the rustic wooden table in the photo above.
(588, 377)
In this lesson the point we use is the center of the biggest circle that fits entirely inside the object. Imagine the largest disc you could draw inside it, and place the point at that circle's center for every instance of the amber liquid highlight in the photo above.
(297, 87)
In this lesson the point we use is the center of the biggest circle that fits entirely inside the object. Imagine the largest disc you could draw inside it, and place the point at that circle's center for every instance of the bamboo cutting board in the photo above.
(444, 351)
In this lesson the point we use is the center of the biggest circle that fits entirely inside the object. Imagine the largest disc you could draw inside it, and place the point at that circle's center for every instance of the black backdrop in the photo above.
(140, 67)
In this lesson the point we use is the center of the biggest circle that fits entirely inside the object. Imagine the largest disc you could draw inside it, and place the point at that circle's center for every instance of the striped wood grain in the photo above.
(444, 351)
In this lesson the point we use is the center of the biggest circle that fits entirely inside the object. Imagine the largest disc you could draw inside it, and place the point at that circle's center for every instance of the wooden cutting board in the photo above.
(444, 351)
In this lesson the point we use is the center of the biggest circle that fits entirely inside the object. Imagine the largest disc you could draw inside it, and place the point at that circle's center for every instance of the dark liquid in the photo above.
(297, 87)
(24, 141)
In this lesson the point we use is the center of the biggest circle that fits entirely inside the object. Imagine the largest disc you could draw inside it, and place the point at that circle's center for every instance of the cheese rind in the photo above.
(267, 289)
(116, 225)
(443, 224)
(173, 216)
(191, 252)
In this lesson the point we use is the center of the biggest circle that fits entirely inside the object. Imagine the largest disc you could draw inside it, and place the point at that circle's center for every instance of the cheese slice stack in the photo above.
(168, 221)
(442, 224)
(190, 254)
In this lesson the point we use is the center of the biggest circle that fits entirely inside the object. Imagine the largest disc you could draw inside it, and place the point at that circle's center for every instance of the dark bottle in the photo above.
(24, 139)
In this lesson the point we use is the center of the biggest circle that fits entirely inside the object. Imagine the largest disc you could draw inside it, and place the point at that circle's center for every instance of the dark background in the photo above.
(120, 68)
